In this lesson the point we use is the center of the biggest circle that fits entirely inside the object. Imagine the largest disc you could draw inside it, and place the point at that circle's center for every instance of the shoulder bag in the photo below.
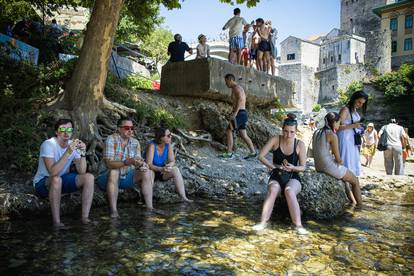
(357, 136)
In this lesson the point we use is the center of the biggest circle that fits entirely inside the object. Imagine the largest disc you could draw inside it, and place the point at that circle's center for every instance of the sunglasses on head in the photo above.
(128, 127)
(290, 122)
(65, 129)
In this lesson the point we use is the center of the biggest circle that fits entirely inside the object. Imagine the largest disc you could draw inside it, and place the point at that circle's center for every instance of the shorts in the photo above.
(124, 181)
(245, 53)
(264, 46)
(236, 42)
(369, 150)
(68, 185)
(253, 54)
(241, 120)
(282, 185)
(158, 177)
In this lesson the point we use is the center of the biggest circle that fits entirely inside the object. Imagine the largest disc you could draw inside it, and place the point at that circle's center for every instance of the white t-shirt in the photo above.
(203, 51)
(370, 137)
(394, 134)
(51, 149)
(235, 26)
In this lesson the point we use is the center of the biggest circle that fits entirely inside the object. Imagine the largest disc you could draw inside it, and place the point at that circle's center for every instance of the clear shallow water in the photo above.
(215, 238)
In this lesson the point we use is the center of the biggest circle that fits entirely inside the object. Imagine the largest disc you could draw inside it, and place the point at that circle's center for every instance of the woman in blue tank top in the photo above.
(289, 158)
(160, 159)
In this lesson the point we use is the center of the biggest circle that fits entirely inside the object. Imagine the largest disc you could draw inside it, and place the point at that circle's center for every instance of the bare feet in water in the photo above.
(114, 215)
(156, 211)
(58, 225)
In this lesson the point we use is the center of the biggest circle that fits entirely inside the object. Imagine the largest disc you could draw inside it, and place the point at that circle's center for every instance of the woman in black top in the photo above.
(289, 156)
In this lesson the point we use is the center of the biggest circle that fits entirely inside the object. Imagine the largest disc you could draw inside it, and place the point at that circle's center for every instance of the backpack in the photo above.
(382, 143)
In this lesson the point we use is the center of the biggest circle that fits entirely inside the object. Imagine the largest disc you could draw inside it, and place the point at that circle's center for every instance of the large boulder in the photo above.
(322, 196)
(204, 78)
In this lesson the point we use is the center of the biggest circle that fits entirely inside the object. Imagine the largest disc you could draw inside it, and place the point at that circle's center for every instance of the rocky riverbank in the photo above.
(208, 176)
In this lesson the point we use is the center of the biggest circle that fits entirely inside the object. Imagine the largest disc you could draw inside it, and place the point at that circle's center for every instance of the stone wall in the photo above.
(339, 77)
(204, 78)
(363, 18)
(380, 110)
(303, 78)
(397, 61)
(378, 50)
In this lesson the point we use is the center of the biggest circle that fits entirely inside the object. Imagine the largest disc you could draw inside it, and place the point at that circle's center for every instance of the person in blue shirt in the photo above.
(177, 49)
(160, 159)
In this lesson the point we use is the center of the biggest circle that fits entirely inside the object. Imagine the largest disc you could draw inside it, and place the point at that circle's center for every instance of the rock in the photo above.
(322, 196)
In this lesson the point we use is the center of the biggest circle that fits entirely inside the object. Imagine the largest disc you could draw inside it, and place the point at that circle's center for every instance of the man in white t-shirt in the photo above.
(393, 154)
(53, 177)
(235, 26)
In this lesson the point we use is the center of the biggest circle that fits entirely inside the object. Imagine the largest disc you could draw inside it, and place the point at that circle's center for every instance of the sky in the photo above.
(300, 18)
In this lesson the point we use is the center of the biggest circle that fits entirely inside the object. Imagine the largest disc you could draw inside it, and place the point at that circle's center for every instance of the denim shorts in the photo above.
(125, 182)
(68, 185)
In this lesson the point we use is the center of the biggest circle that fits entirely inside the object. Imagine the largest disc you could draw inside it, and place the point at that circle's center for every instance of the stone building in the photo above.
(358, 17)
(397, 17)
(342, 58)
(299, 60)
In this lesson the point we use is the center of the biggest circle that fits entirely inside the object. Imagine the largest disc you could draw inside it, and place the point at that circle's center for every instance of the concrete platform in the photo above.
(204, 78)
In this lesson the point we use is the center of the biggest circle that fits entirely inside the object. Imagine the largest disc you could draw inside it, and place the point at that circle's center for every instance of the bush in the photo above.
(398, 83)
(136, 82)
(352, 88)
(316, 108)
(23, 91)
(144, 113)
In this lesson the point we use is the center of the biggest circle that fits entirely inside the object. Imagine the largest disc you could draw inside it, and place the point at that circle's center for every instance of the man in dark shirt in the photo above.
(177, 48)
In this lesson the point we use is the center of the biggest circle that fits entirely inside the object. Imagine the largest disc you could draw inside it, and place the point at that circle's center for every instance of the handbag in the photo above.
(357, 136)
(382, 143)
(280, 175)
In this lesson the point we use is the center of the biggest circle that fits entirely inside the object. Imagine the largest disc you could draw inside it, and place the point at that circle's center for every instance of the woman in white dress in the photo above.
(349, 128)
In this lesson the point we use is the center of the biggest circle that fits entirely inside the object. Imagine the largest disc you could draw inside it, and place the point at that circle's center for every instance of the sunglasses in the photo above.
(127, 127)
(65, 129)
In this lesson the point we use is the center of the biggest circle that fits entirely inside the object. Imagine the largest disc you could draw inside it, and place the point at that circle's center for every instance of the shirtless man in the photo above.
(264, 48)
(237, 118)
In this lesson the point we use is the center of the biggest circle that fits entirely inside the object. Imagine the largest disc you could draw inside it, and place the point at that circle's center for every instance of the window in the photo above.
(339, 58)
(408, 44)
(331, 58)
(393, 24)
(324, 60)
(333, 87)
(394, 46)
(290, 56)
(408, 21)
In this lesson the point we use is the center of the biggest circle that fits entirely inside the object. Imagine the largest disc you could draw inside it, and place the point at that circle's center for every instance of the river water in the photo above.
(215, 238)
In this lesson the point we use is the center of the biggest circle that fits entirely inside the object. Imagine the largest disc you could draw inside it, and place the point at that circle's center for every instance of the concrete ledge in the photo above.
(204, 78)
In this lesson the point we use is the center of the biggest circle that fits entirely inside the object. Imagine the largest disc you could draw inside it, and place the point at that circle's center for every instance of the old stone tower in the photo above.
(357, 17)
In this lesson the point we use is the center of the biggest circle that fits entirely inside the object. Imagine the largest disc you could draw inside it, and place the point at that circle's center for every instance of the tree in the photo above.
(155, 45)
(83, 95)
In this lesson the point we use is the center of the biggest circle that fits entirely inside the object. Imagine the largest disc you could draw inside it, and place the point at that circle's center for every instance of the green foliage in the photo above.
(156, 43)
(316, 108)
(355, 86)
(144, 113)
(280, 112)
(352, 88)
(136, 82)
(397, 83)
(23, 90)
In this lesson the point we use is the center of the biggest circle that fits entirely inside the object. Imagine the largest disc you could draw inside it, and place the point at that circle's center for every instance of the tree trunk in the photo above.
(84, 92)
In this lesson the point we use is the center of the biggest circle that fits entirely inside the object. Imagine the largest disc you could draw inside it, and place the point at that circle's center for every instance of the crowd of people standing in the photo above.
(250, 44)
